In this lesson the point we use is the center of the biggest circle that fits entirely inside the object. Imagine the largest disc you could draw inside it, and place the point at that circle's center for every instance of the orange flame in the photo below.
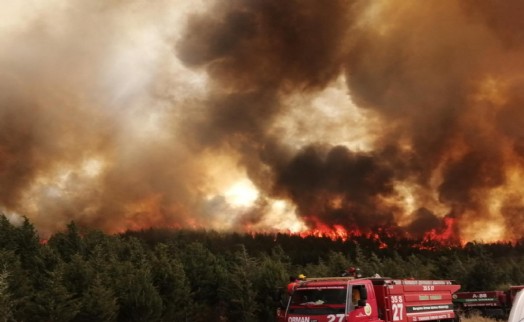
(338, 232)
(442, 237)
(381, 236)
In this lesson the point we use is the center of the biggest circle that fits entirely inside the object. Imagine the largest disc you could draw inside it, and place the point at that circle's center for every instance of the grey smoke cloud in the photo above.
(128, 115)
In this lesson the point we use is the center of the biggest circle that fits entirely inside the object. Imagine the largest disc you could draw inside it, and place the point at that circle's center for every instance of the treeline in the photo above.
(167, 275)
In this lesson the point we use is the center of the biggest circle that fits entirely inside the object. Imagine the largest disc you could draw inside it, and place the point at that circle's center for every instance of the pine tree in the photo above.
(171, 282)
(239, 292)
(137, 297)
(337, 263)
(98, 303)
(19, 284)
(270, 278)
(206, 274)
(6, 234)
(6, 302)
(55, 302)
(68, 243)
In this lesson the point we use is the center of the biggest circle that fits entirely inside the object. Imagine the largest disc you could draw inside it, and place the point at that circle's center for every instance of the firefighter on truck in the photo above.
(377, 299)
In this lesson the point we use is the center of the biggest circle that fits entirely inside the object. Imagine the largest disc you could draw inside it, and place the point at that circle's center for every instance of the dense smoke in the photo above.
(357, 114)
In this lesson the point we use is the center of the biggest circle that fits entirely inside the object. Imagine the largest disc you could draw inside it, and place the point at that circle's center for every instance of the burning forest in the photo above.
(309, 117)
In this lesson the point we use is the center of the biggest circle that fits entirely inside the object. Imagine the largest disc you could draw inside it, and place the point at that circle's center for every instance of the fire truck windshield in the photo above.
(318, 300)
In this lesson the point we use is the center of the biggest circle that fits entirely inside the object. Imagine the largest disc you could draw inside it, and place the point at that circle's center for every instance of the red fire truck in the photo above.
(349, 299)
(494, 304)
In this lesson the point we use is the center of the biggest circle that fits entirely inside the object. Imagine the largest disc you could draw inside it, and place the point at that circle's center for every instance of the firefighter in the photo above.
(355, 296)
(291, 285)
(293, 281)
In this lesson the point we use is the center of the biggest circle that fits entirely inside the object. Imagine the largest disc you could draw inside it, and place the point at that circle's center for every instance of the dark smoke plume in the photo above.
(128, 115)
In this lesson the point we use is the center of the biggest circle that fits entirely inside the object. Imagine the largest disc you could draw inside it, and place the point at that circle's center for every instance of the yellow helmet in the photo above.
(302, 276)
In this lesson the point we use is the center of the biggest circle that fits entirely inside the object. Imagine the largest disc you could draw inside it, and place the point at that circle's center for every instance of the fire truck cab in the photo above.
(345, 299)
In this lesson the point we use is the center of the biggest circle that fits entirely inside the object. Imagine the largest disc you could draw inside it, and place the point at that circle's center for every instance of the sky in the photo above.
(260, 116)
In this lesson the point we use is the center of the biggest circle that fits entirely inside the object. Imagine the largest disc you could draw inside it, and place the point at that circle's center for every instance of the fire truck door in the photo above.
(359, 309)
